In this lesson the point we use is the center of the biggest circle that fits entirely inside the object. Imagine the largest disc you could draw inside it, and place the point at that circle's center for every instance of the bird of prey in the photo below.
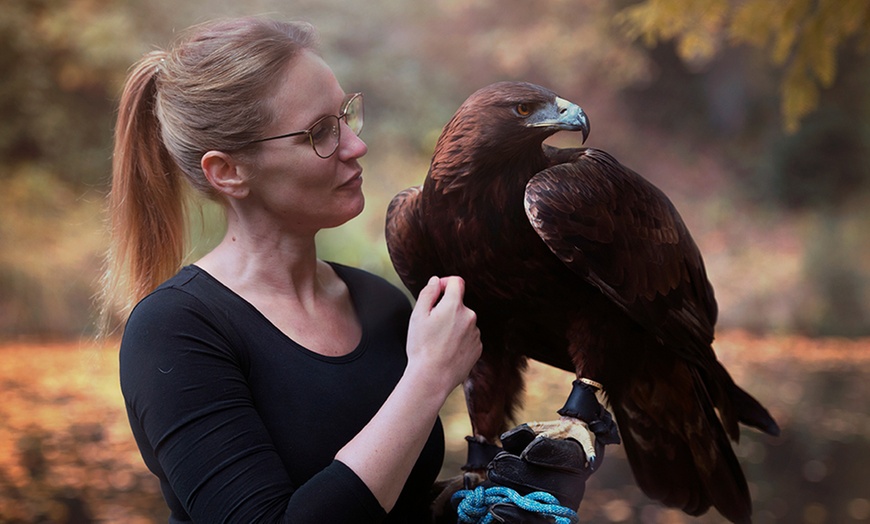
(578, 262)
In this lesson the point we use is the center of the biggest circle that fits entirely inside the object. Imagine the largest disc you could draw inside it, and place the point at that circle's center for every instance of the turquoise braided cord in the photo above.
(474, 504)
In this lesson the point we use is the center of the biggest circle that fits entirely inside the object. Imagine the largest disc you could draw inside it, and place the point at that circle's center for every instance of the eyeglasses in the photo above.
(325, 134)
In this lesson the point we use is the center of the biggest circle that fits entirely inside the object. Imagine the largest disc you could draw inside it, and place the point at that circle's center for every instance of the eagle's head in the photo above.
(501, 124)
(507, 115)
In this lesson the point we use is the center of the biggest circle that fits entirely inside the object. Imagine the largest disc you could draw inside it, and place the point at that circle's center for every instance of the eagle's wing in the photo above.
(622, 234)
(410, 251)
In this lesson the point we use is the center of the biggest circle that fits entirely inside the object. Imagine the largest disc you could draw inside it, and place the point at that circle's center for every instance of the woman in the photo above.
(261, 383)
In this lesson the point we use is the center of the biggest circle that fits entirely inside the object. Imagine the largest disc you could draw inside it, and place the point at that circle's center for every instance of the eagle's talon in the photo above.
(569, 428)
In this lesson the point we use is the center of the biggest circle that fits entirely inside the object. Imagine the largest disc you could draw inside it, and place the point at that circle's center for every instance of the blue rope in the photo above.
(474, 506)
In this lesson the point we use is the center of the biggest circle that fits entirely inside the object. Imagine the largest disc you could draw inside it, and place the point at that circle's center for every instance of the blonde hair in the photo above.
(208, 92)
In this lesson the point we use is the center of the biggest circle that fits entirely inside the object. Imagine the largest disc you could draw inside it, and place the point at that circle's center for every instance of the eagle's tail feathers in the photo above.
(678, 449)
(751, 412)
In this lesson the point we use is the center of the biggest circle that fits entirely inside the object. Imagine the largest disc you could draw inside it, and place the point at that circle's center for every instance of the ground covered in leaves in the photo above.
(67, 456)
(66, 451)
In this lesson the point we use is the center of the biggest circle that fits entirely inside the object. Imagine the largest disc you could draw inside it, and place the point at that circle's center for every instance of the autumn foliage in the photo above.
(803, 37)
(67, 455)
(691, 93)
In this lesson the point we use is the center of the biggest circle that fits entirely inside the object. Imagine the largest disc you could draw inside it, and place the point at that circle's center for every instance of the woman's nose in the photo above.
(351, 146)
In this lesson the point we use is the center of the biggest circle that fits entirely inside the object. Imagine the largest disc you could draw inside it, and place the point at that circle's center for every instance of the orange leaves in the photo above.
(66, 451)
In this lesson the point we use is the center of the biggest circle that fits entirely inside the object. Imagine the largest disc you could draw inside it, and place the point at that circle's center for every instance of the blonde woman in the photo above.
(263, 384)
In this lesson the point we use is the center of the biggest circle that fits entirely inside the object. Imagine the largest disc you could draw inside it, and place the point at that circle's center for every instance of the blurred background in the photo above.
(753, 116)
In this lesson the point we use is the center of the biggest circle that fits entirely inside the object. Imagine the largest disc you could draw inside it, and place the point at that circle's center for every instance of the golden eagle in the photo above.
(576, 261)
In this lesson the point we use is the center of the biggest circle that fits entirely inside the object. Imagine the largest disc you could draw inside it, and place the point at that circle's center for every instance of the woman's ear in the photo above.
(225, 174)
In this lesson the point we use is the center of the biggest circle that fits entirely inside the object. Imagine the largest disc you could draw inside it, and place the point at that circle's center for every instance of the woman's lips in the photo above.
(354, 181)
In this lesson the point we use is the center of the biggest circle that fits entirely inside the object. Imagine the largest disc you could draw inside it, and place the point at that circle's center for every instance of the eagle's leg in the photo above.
(492, 393)
(583, 419)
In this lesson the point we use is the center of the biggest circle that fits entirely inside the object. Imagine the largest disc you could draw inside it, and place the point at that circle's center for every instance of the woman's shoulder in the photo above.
(184, 312)
(190, 294)
(186, 286)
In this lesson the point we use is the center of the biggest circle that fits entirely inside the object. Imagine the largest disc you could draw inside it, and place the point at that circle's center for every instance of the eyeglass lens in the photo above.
(326, 134)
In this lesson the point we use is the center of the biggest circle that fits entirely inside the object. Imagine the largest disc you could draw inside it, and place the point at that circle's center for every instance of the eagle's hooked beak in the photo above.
(564, 116)
(572, 117)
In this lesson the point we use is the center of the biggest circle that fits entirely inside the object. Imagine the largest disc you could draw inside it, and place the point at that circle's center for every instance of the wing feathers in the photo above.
(623, 235)
(409, 248)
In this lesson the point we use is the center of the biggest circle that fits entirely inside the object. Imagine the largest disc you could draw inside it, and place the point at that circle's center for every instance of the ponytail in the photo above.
(147, 199)
(207, 93)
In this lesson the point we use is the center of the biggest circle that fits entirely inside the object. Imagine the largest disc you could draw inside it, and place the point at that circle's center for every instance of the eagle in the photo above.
(574, 260)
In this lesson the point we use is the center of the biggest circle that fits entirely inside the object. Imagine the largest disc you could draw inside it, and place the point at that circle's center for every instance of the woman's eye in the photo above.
(523, 110)
(324, 130)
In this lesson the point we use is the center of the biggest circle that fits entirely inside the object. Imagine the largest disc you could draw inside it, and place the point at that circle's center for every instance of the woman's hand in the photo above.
(443, 345)
(443, 339)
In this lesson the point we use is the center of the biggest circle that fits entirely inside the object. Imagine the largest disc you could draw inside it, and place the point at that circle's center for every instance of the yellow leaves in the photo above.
(801, 36)
(786, 27)
(751, 22)
(816, 32)
(800, 95)
(697, 46)
(694, 24)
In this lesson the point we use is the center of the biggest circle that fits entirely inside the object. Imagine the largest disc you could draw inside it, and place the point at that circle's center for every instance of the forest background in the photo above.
(753, 116)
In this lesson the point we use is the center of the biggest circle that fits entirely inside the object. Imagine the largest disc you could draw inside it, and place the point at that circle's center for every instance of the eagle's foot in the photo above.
(583, 419)
(569, 427)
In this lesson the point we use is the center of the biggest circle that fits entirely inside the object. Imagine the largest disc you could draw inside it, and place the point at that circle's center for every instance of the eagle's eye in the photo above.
(523, 109)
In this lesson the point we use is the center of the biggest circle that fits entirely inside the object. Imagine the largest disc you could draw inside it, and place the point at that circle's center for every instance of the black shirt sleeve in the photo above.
(196, 424)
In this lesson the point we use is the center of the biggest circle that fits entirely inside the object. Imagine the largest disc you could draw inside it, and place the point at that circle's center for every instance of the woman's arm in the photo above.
(443, 345)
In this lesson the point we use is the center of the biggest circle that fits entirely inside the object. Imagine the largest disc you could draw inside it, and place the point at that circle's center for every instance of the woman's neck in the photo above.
(301, 295)
(266, 261)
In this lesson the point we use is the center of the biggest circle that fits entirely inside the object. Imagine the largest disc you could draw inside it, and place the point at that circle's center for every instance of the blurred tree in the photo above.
(60, 63)
(568, 45)
(695, 113)
(801, 36)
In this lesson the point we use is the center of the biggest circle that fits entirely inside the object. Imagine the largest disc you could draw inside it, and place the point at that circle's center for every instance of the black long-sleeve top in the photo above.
(241, 424)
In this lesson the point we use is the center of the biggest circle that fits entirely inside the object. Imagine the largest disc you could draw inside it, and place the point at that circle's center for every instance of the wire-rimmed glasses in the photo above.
(325, 134)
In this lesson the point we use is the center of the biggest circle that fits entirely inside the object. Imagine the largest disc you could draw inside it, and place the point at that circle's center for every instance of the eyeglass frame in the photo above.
(349, 99)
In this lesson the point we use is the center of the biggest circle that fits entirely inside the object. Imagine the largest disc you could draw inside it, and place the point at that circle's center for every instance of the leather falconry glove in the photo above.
(531, 463)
